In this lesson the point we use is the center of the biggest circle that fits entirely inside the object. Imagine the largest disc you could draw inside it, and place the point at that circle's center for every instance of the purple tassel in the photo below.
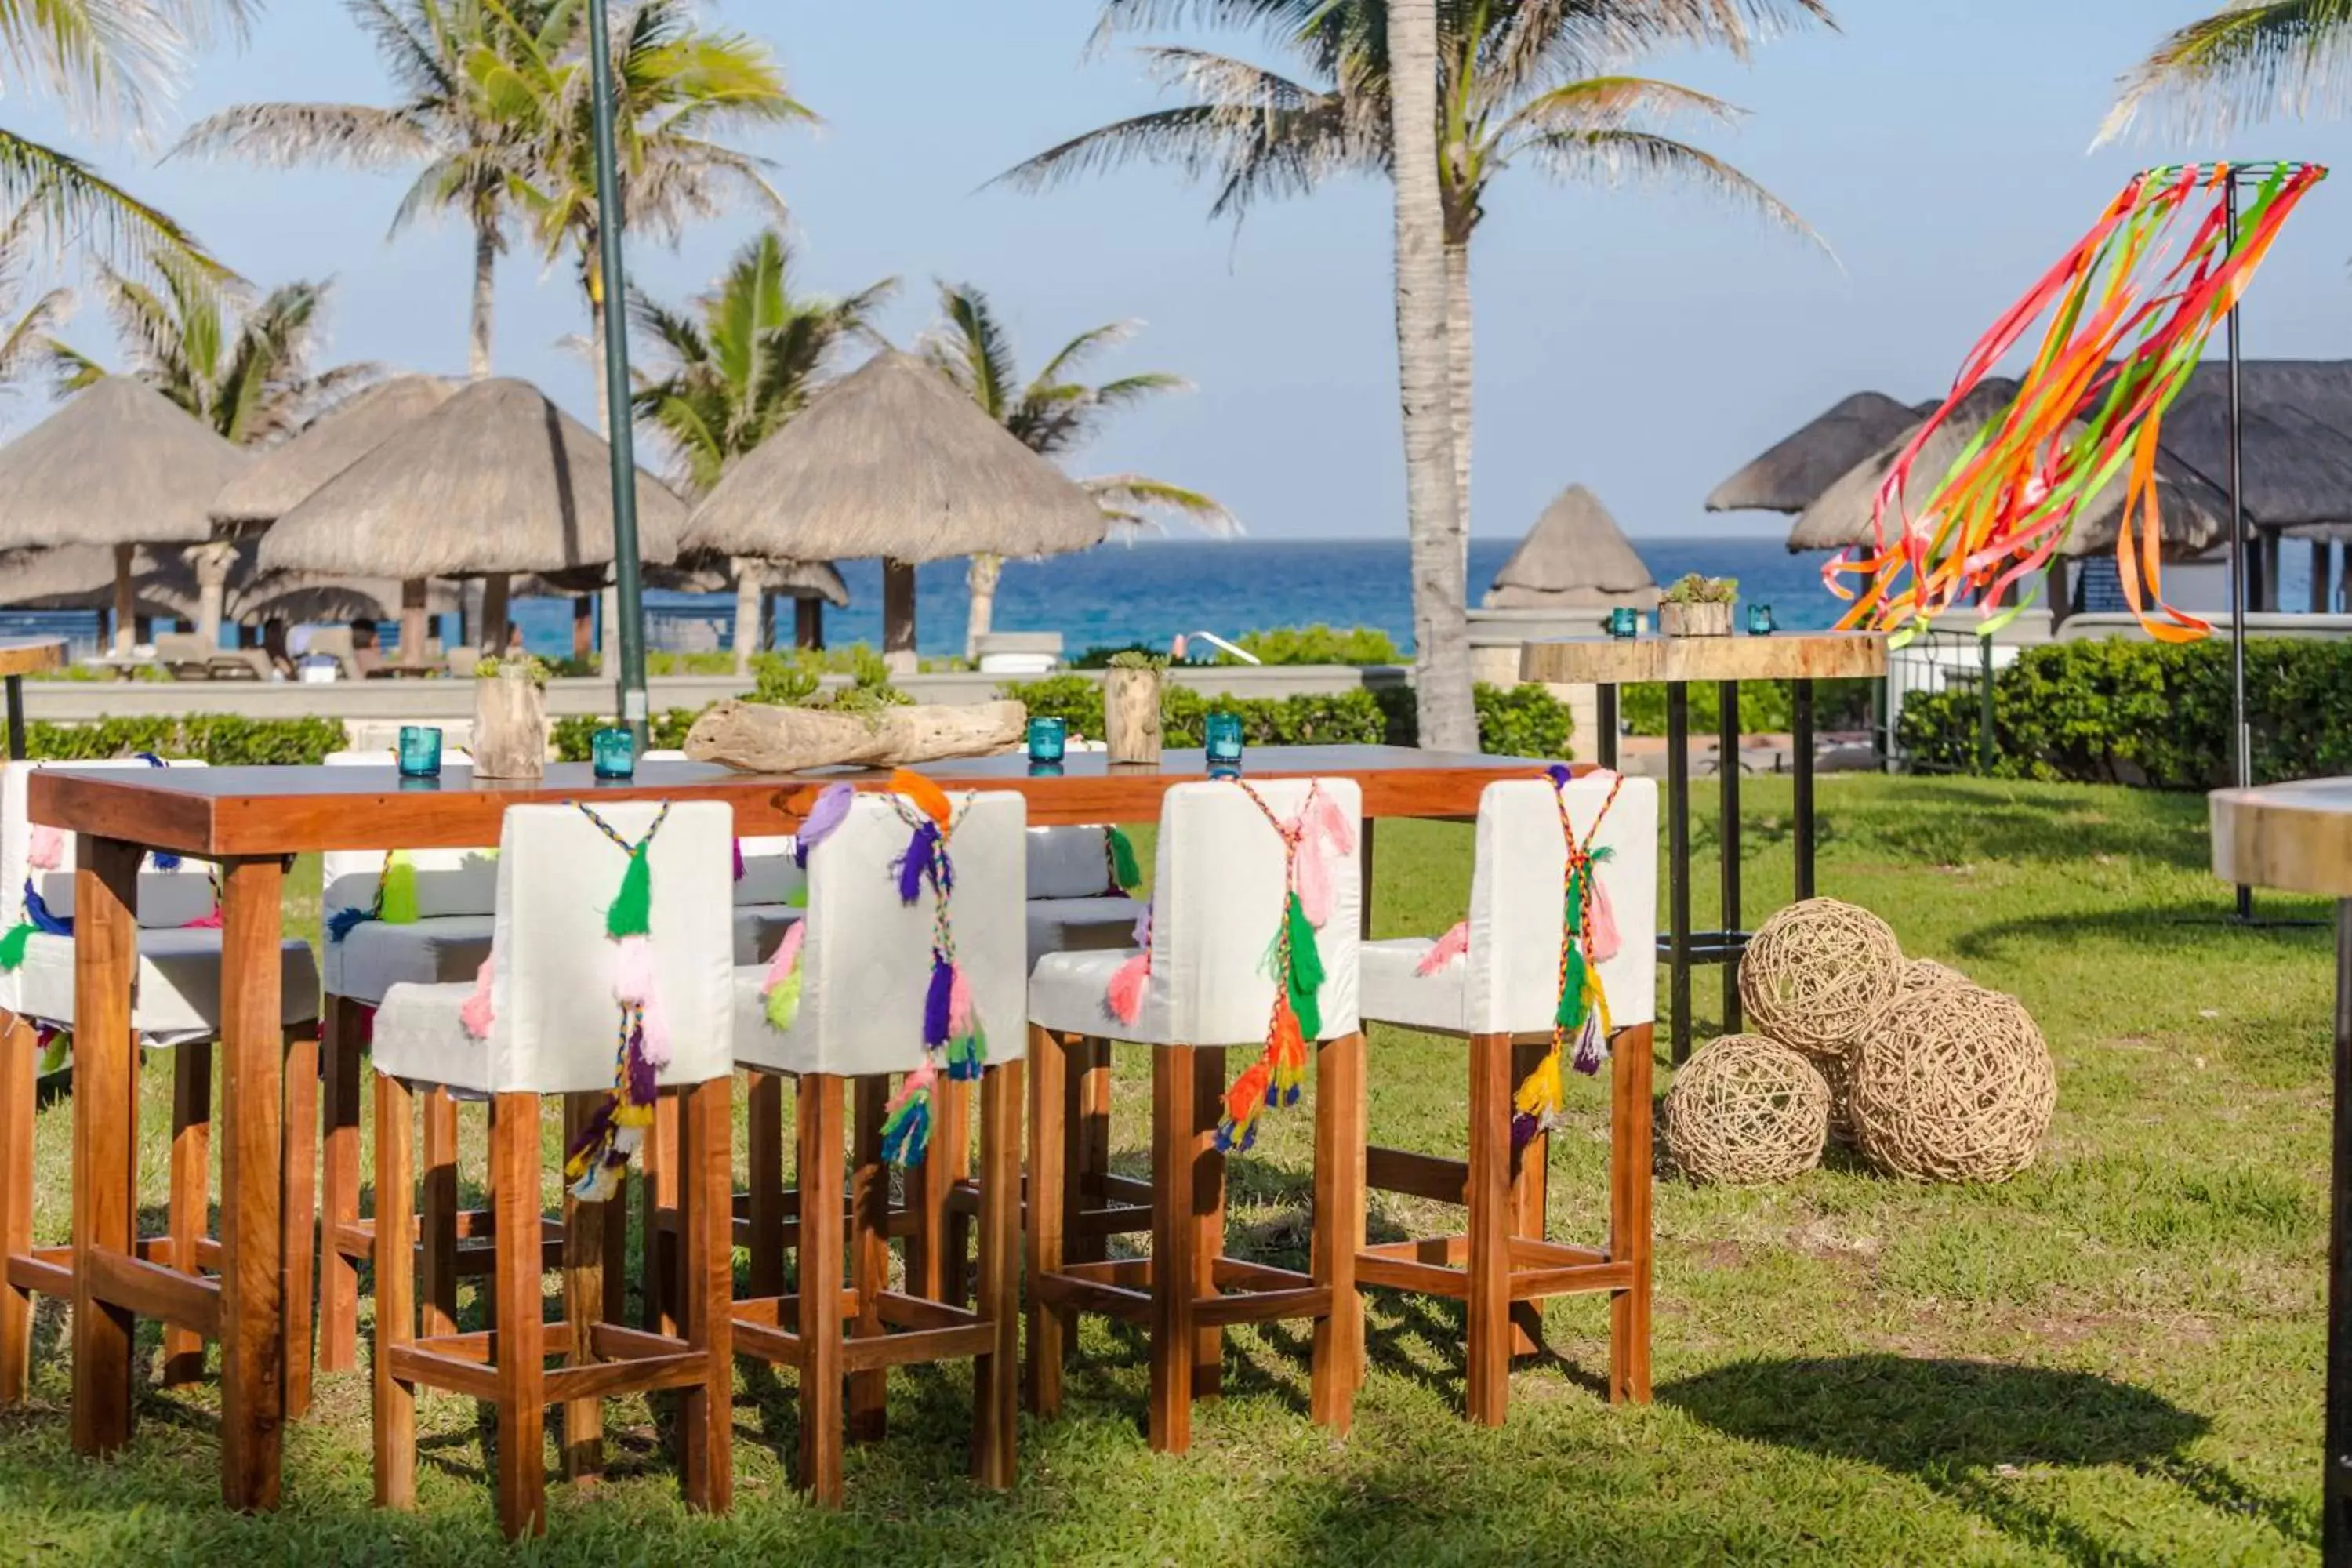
(939, 1003)
(1588, 1054)
(1560, 775)
(644, 1086)
(739, 859)
(831, 810)
(922, 849)
(1523, 1131)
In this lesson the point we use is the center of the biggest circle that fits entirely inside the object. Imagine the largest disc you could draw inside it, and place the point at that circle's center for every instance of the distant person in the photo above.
(273, 648)
(367, 654)
(514, 641)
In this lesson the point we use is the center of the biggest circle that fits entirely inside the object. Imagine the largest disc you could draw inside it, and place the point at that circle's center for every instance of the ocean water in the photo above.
(1157, 589)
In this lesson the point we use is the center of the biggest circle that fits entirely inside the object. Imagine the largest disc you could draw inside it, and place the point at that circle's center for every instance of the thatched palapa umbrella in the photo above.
(290, 475)
(1574, 558)
(119, 466)
(497, 481)
(1792, 474)
(166, 584)
(893, 460)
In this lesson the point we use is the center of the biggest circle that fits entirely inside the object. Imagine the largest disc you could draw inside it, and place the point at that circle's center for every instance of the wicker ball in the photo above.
(1816, 973)
(1926, 975)
(1744, 1110)
(1953, 1083)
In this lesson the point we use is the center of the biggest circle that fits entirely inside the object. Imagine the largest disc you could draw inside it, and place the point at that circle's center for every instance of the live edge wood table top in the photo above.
(1644, 660)
(251, 820)
(232, 812)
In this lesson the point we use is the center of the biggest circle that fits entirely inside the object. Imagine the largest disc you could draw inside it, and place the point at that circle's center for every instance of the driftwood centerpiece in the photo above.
(1131, 693)
(759, 738)
(510, 718)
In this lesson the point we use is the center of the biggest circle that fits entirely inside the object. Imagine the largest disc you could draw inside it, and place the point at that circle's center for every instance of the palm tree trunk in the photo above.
(982, 578)
(1459, 385)
(1433, 509)
(609, 650)
(478, 368)
(126, 603)
(751, 625)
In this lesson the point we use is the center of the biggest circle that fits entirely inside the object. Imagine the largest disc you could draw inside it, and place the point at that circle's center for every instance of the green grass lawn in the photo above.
(2114, 1358)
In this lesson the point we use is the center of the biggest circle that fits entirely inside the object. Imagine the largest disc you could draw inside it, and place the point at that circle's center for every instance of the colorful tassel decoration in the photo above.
(780, 990)
(739, 859)
(1539, 1101)
(1292, 960)
(1125, 997)
(829, 812)
(1302, 975)
(927, 798)
(47, 851)
(936, 1001)
(919, 862)
(396, 891)
(57, 1050)
(1588, 938)
(37, 915)
(342, 923)
(1247, 1097)
(906, 1129)
(954, 1042)
(604, 1147)
(1125, 872)
(474, 1015)
(1455, 944)
(12, 945)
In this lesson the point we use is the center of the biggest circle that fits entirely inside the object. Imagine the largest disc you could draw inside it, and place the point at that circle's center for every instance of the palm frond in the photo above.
(29, 339)
(1614, 102)
(1084, 347)
(1135, 500)
(76, 206)
(112, 60)
(291, 135)
(1624, 157)
(2253, 61)
(69, 369)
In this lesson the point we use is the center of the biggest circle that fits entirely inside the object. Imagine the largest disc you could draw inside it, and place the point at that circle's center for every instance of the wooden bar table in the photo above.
(251, 822)
(2297, 837)
(21, 657)
(1800, 657)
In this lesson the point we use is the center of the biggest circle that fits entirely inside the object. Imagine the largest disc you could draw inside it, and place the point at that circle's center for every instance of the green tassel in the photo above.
(57, 1055)
(632, 913)
(784, 1001)
(1124, 871)
(1305, 976)
(1570, 1012)
(12, 947)
(396, 899)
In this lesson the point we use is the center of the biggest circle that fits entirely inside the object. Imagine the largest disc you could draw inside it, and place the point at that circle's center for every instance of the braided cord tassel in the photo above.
(598, 1157)
(955, 1042)
(1581, 1013)
(1296, 965)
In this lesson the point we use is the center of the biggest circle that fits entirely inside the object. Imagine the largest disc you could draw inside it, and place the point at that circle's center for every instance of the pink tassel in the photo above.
(633, 970)
(1124, 995)
(788, 955)
(1453, 944)
(205, 923)
(476, 1014)
(1603, 939)
(959, 1004)
(47, 851)
(1330, 820)
(653, 1034)
(1142, 933)
(1314, 881)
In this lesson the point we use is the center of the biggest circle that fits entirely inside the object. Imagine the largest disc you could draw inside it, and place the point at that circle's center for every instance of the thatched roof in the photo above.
(2297, 469)
(2195, 515)
(285, 477)
(1574, 558)
(82, 577)
(117, 465)
(893, 460)
(497, 479)
(1791, 475)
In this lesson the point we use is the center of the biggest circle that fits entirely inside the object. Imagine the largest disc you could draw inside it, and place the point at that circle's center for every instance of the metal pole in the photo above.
(1726, 767)
(2240, 743)
(2335, 1480)
(1803, 720)
(1984, 706)
(1678, 890)
(610, 221)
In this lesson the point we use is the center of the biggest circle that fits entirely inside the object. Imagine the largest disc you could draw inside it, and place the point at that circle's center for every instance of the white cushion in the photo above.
(375, 956)
(177, 995)
(866, 964)
(166, 899)
(1395, 994)
(770, 875)
(552, 964)
(448, 881)
(759, 930)
(1219, 897)
(1080, 925)
(1069, 863)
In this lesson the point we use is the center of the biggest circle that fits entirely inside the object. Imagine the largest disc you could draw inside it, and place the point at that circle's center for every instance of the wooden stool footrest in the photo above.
(1438, 1266)
(152, 1290)
(1416, 1175)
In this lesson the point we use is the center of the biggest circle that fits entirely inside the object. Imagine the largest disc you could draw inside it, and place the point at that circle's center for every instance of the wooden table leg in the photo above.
(339, 1186)
(395, 1403)
(105, 1133)
(191, 1193)
(1339, 1350)
(1086, 1098)
(764, 1190)
(301, 1208)
(253, 1172)
(659, 1157)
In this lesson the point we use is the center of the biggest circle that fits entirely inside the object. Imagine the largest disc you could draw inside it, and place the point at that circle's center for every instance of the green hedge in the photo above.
(575, 737)
(220, 738)
(1766, 706)
(1523, 721)
(1317, 644)
(2112, 711)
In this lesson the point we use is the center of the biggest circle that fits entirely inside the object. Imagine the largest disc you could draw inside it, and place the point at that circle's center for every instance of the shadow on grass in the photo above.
(1960, 1428)
(2173, 922)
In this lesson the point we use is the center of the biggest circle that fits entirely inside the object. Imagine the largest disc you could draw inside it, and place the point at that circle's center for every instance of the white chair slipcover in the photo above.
(1075, 905)
(1218, 893)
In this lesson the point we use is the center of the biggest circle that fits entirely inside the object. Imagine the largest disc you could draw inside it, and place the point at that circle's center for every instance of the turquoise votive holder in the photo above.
(1759, 621)
(1223, 740)
(1624, 621)
(420, 751)
(614, 753)
(1048, 739)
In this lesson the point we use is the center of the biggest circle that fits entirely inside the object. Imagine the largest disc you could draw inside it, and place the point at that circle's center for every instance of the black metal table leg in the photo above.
(16, 718)
(1727, 769)
(1678, 862)
(2336, 1485)
(1802, 743)
(1604, 700)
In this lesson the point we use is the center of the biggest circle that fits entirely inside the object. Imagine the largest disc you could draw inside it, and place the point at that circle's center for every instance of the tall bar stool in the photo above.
(1242, 867)
(1531, 932)
(615, 913)
(894, 969)
(176, 1003)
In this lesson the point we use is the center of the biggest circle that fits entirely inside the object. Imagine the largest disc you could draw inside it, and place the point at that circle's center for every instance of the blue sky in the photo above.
(1642, 342)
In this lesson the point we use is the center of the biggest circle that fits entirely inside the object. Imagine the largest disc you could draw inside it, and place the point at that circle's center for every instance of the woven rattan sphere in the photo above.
(1816, 973)
(1953, 1083)
(1744, 1110)
(1926, 975)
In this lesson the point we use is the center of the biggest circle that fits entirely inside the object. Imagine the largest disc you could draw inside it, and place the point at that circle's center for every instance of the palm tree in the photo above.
(448, 125)
(1517, 85)
(1054, 414)
(242, 366)
(27, 340)
(111, 61)
(2252, 59)
(730, 369)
